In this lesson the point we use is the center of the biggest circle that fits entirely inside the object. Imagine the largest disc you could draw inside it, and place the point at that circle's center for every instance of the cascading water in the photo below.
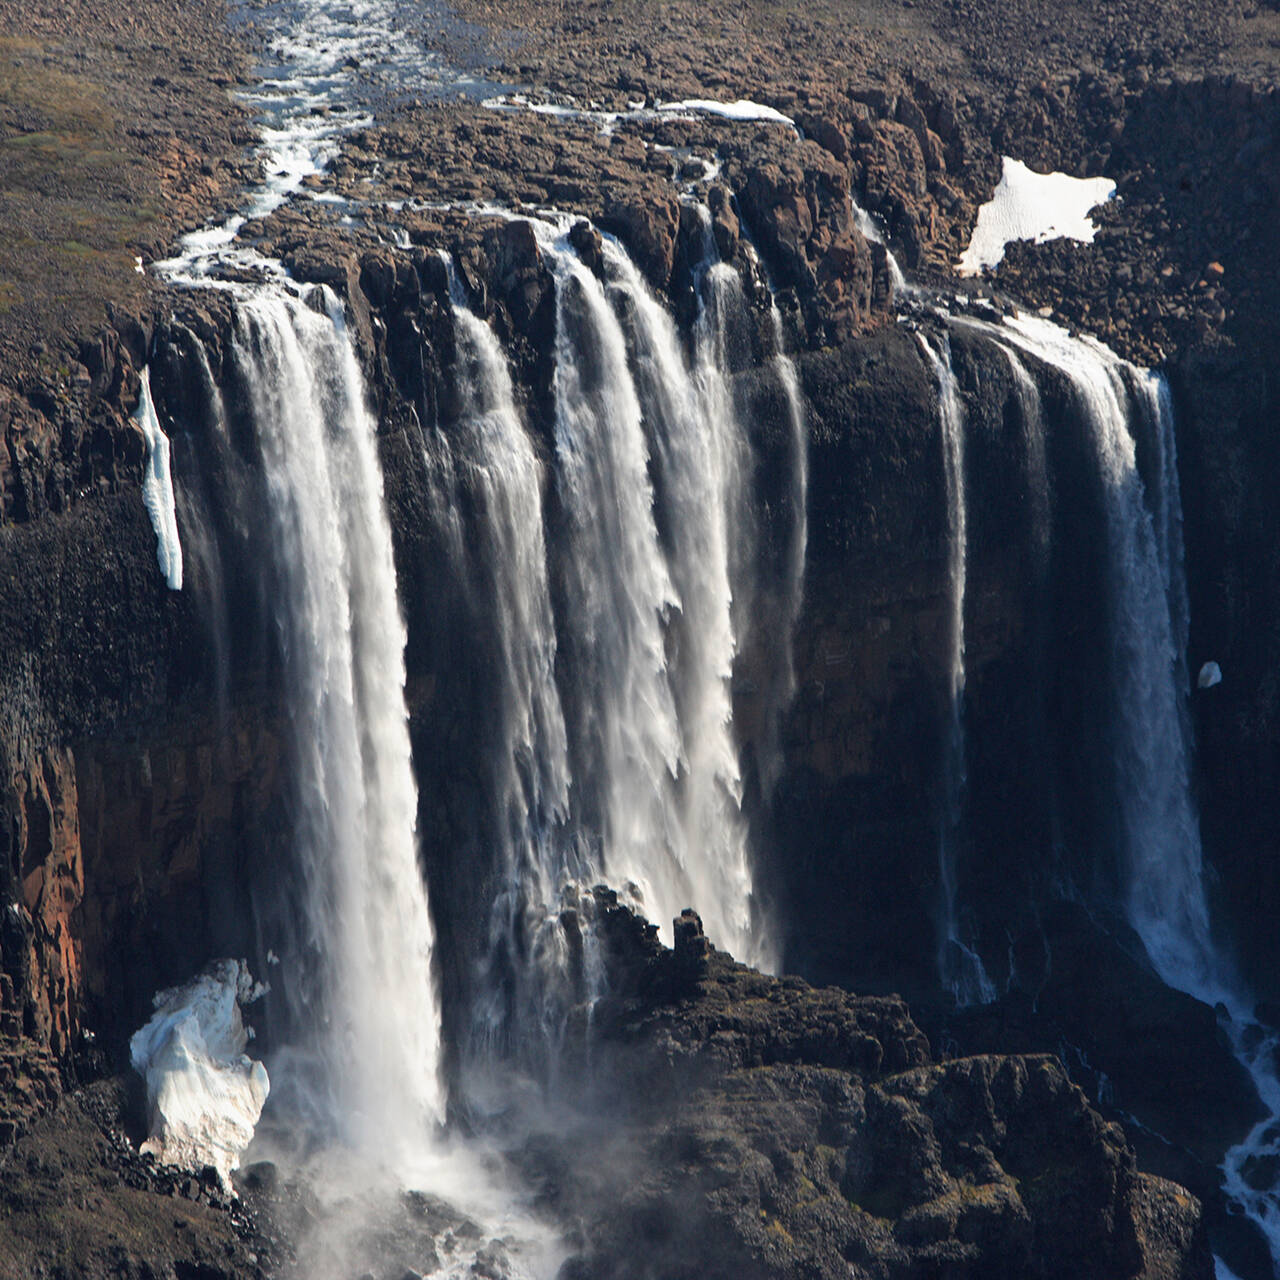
(1159, 839)
(959, 965)
(1153, 411)
(615, 755)
(786, 573)
(504, 556)
(779, 682)
(636, 775)
(648, 647)
(357, 972)
(872, 231)
(698, 459)
(799, 496)
(357, 1095)
(655, 764)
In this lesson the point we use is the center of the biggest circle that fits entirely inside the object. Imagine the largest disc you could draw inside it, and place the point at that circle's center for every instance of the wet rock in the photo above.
(588, 245)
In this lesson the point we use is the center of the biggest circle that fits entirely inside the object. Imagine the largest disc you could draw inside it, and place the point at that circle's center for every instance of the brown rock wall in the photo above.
(48, 850)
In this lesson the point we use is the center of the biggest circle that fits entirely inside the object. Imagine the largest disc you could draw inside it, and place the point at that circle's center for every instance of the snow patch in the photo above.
(1033, 206)
(157, 487)
(1210, 674)
(204, 1092)
(742, 109)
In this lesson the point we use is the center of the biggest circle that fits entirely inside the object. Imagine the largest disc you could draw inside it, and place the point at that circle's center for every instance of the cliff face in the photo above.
(156, 806)
(143, 796)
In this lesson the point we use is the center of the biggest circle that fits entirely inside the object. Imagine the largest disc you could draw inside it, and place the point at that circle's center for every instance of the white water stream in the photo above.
(366, 949)
(959, 965)
(1160, 836)
(656, 765)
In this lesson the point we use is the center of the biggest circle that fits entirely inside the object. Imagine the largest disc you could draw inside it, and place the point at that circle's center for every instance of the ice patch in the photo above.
(157, 487)
(743, 109)
(204, 1092)
(1033, 206)
(1210, 674)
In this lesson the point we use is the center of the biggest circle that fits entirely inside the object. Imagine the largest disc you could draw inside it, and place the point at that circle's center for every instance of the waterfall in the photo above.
(873, 232)
(648, 637)
(770, 601)
(1164, 896)
(699, 461)
(356, 974)
(780, 690)
(1159, 839)
(614, 755)
(799, 497)
(1153, 405)
(503, 556)
(959, 965)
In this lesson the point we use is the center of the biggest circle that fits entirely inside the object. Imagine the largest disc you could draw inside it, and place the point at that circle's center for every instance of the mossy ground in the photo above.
(117, 131)
(72, 221)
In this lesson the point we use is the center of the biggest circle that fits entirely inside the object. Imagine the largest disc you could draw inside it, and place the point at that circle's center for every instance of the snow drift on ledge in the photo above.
(204, 1093)
(1033, 206)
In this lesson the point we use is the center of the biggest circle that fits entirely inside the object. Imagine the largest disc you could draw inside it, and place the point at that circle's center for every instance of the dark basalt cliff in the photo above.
(142, 800)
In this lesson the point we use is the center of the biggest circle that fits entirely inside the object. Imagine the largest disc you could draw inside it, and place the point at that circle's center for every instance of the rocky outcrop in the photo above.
(78, 1200)
(750, 1126)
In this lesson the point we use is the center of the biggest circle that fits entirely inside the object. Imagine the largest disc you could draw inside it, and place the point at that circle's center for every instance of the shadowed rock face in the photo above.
(760, 1127)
